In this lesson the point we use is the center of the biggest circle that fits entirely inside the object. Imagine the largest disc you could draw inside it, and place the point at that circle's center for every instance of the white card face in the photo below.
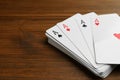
(106, 32)
(84, 24)
(70, 28)
(63, 40)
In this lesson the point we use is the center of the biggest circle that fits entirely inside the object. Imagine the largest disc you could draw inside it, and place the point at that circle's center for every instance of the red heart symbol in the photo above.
(68, 29)
(117, 35)
(97, 22)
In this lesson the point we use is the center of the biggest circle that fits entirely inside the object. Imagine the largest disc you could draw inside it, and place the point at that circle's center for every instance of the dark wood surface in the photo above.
(24, 51)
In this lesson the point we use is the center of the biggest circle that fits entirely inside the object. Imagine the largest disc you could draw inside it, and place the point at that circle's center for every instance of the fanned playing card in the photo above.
(106, 32)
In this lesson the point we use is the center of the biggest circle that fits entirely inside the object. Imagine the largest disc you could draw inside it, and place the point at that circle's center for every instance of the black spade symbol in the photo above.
(84, 25)
(59, 35)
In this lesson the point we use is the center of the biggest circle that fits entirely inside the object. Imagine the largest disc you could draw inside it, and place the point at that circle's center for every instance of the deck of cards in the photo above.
(92, 40)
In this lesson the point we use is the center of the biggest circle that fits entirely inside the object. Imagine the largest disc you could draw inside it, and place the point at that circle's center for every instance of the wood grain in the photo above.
(24, 51)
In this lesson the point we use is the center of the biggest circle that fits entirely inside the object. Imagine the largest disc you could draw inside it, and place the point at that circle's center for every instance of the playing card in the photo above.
(106, 32)
(84, 24)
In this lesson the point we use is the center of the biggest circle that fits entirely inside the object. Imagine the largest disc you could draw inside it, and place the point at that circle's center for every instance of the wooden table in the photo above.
(24, 51)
